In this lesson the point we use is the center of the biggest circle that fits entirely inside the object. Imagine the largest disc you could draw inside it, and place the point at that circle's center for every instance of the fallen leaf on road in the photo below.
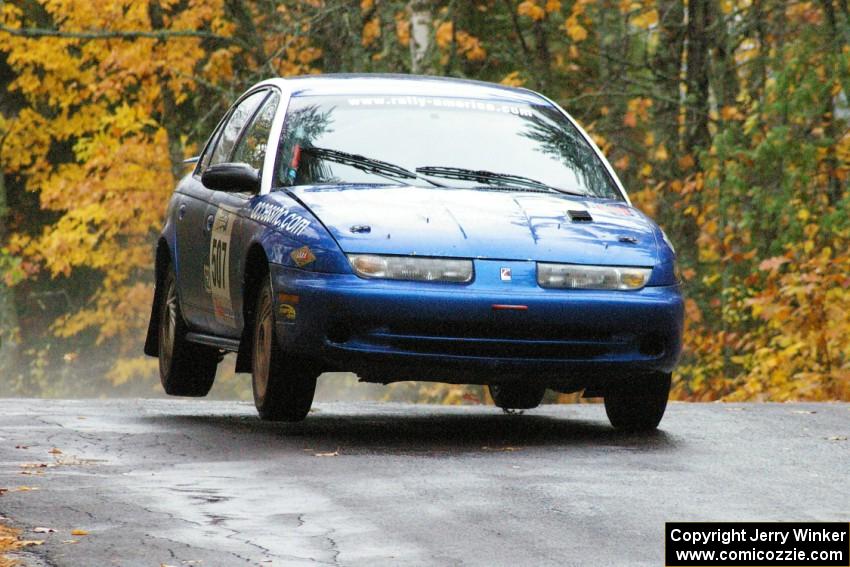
(803, 411)
(837, 438)
(3, 491)
(26, 488)
(21, 447)
(10, 540)
(79, 532)
(43, 530)
(69, 541)
(55, 451)
(34, 465)
(334, 454)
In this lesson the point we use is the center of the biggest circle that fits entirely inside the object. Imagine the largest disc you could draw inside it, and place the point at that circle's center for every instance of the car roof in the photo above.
(403, 85)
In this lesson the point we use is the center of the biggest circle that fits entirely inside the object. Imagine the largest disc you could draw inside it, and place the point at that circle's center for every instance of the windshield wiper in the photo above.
(367, 164)
(491, 177)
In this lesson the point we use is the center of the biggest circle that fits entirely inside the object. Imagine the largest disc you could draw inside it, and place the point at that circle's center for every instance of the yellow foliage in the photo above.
(731, 113)
(127, 369)
(219, 67)
(111, 101)
(466, 44)
(575, 30)
(443, 34)
(402, 29)
(627, 6)
(513, 79)
(646, 19)
(371, 31)
(622, 163)
(531, 9)
(470, 46)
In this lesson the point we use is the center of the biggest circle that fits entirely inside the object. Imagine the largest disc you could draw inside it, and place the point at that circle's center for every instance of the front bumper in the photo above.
(486, 331)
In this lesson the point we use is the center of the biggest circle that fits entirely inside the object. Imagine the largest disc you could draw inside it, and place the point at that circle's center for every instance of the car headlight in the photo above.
(575, 276)
(412, 268)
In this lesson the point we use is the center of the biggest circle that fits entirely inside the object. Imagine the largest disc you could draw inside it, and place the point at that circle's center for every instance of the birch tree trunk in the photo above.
(420, 34)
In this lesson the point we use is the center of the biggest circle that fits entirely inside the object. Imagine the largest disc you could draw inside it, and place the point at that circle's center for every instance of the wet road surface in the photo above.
(188, 482)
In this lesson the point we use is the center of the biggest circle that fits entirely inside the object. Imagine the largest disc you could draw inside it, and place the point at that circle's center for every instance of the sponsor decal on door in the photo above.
(219, 265)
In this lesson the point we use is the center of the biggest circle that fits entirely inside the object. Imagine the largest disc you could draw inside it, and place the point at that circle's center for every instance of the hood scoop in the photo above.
(580, 216)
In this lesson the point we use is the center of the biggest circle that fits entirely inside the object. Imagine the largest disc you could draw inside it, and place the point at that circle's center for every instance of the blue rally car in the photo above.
(412, 228)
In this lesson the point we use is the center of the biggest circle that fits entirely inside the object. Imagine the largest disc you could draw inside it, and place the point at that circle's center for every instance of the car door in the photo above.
(194, 223)
(230, 237)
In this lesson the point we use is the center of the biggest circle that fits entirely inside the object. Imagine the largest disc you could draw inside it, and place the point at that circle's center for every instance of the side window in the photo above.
(252, 147)
(208, 150)
(230, 133)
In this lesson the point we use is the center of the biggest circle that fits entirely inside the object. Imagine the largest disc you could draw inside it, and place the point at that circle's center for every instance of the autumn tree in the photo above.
(726, 119)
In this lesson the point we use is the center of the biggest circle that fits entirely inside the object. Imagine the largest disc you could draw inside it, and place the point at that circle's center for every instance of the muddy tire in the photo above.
(639, 404)
(185, 369)
(283, 385)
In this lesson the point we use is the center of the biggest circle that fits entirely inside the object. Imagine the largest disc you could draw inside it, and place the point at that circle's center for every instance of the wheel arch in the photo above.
(256, 268)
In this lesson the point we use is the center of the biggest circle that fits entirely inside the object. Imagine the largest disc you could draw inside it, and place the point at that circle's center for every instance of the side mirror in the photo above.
(231, 177)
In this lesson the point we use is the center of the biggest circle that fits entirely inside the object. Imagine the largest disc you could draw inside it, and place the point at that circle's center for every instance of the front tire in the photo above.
(516, 396)
(185, 369)
(639, 404)
(283, 385)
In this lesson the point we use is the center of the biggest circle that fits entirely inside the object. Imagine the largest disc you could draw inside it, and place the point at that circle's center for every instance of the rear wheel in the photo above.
(639, 404)
(283, 385)
(516, 396)
(185, 369)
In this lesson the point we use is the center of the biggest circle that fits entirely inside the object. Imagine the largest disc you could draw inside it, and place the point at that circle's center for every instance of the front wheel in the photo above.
(516, 396)
(283, 385)
(639, 404)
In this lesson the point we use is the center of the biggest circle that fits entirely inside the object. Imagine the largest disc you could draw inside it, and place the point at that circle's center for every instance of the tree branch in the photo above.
(517, 28)
(116, 34)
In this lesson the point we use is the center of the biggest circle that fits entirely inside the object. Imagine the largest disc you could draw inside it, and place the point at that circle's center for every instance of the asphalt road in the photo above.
(179, 482)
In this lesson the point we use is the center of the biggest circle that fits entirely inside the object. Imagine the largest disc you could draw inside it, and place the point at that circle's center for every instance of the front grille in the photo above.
(499, 348)
(492, 341)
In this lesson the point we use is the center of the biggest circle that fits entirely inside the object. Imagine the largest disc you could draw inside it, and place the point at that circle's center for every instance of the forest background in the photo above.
(727, 121)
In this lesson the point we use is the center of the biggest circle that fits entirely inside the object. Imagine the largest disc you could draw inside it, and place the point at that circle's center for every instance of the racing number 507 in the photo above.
(218, 263)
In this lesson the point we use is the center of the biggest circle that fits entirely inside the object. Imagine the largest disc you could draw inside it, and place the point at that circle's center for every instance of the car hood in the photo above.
(481, 223)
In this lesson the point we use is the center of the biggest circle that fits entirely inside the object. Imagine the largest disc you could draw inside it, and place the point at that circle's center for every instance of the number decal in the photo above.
(219, 265)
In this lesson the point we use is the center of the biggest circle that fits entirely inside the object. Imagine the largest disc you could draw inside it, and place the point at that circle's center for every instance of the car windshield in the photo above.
(434, 141)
